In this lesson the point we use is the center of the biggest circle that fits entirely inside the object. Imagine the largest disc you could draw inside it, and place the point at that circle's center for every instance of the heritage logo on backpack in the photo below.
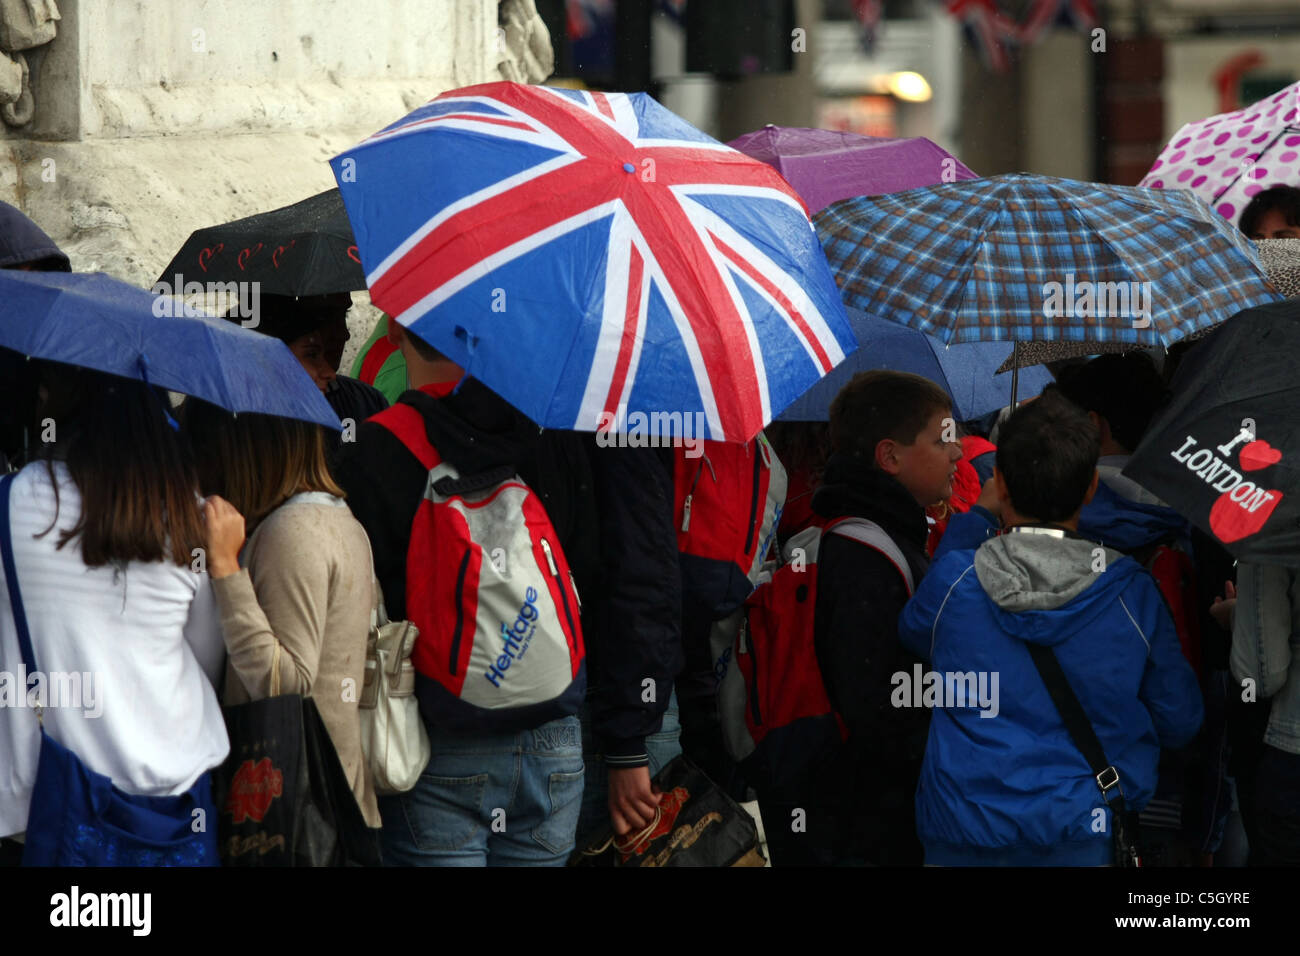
(487, 585)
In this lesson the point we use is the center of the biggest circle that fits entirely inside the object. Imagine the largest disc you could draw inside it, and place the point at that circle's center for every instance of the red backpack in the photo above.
(727, 506)
(1175, 577)
(776, 714)
(487, 585)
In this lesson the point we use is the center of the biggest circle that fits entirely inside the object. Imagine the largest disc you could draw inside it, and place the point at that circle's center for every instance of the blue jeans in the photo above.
(490, 800)
(661, 747)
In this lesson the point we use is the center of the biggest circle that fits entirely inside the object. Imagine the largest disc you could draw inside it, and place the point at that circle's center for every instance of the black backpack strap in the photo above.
(1078, 725)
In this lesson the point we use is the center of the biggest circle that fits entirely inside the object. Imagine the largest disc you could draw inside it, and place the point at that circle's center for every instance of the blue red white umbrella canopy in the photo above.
(589, 256)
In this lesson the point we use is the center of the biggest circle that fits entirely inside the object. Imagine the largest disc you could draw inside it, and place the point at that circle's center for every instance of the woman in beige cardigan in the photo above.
(303, 583)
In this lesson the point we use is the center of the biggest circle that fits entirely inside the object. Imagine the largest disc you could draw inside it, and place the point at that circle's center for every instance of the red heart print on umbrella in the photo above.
(205, 255)
(246, 254)
(281, 250)
(1245, 509)
(1259, 454)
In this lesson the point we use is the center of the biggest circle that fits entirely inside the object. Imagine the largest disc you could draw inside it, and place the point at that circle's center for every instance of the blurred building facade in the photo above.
(149, 118)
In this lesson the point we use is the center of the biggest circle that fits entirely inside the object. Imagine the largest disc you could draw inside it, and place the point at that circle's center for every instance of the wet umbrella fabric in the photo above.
(1226, 159)
(825, 165)
(94, 321)
(302, 249)
(1281, 260)
(595, 260)
(1034, 258)
(965, 372)
(1226, 450)
(22, 242)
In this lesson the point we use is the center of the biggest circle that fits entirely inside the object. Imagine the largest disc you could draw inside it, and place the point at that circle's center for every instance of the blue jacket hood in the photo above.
(1126, 525)
(1044, 589)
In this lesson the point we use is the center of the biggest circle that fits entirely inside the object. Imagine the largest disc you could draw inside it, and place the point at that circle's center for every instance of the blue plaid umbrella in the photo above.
(1033, 258)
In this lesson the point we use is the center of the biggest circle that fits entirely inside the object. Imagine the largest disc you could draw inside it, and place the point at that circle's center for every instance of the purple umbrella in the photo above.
(825, 166)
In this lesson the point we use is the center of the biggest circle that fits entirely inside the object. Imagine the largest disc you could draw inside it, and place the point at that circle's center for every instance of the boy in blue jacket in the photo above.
(1002, 783)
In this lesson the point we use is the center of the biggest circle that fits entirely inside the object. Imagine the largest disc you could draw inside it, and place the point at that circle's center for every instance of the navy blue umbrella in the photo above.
(95, 321)
(22, 242)
(965, 372)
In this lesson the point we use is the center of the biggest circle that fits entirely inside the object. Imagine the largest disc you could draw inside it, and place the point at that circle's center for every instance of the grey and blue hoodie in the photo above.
(1002, 783)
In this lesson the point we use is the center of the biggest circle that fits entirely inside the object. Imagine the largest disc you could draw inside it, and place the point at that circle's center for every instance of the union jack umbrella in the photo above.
(589, 256)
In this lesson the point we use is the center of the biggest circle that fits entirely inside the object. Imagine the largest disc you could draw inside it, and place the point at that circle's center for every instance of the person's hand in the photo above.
(632, 800)
(1223, 608)
(225, 536)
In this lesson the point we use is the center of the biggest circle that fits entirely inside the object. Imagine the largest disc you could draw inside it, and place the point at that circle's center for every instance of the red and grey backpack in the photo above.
(777, 718)
(727, 506)
(488, 586)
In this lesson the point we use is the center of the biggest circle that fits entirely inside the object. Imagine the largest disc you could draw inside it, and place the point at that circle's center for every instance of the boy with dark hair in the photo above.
(1120, 395)
(1274, 213)
(1014, 789)
(894, 452)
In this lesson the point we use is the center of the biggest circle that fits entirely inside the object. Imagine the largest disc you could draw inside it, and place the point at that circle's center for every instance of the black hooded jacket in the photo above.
(475, 430)
(859, 597)
(636, 635)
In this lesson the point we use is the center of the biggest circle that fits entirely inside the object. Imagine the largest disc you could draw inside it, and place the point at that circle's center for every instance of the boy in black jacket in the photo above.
(894, 452)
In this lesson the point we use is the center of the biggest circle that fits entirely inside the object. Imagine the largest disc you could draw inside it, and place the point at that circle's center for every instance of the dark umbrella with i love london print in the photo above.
(1225, 452)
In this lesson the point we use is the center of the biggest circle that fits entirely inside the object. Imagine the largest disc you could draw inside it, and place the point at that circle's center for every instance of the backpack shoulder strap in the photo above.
(872, 535)
(407, 425)
(11, 578)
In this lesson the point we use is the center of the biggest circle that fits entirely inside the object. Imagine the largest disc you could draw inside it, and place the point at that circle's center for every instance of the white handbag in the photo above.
(393, 736)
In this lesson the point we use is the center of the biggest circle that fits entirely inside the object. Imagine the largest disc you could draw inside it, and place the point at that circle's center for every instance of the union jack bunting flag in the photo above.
(592, 254)
(583, 18)
(1044, 13)
(869, 14)
(991, 29)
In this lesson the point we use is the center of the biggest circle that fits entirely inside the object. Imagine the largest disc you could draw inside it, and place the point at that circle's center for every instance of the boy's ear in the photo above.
(394, 331)
(1092, 487)
(1000, 483)
(1102, 426)
(887, 456)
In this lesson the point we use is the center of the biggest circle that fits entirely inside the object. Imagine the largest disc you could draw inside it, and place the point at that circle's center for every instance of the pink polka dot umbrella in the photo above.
(1228, 158)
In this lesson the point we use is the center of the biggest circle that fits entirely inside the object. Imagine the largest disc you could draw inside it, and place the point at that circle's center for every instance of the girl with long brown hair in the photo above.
(105, 528)
(300, 589)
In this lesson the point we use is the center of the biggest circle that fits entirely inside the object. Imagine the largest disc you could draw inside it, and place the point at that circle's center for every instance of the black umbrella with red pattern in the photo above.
(303, 249)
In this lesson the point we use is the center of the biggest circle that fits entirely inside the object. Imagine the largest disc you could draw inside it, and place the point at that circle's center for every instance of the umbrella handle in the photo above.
(1015, 373)
(167, 412)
